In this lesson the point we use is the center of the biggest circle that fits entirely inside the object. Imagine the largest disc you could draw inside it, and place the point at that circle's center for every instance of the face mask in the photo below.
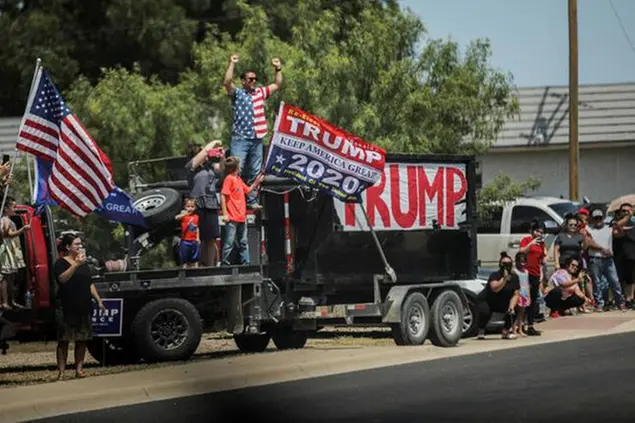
(506, 266)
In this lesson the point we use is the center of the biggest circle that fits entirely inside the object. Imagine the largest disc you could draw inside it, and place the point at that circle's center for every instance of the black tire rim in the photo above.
(169, 329)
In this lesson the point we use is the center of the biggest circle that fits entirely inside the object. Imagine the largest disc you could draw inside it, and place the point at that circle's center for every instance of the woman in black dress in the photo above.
(74, 307)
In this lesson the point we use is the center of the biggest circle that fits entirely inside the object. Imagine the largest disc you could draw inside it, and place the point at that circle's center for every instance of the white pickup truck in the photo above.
(509, 223)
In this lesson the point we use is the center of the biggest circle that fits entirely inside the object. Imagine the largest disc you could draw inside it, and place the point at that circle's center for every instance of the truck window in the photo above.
(491, 223)
(522, 217)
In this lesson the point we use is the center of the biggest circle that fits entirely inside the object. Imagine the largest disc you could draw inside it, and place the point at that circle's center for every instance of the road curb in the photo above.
(191, 379)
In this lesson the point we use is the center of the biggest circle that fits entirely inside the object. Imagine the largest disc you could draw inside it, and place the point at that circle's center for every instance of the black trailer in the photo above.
(314, 262)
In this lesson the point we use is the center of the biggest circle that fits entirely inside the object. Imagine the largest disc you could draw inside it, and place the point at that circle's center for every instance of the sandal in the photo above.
(509, 336)
(80, 374)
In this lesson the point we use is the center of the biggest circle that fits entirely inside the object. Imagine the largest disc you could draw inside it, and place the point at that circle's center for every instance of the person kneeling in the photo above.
(500, 295)
(563, 291)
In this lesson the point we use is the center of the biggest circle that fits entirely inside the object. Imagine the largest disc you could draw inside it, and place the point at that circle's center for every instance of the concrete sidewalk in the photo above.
(72, 396)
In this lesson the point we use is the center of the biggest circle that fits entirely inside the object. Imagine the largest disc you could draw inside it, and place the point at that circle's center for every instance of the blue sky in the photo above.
(530, 38)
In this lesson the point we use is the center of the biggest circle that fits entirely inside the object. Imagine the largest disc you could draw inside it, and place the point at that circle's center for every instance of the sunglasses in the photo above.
(253, 79)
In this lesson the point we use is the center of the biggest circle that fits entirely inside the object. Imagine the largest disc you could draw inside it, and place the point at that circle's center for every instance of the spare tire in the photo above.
(158, 206)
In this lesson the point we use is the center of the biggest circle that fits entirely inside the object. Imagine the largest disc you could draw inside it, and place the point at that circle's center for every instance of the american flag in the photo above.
(81, 175)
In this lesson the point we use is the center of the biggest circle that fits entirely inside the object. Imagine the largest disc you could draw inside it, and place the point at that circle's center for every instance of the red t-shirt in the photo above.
(235, 191)
(189, 227)
(535, 255)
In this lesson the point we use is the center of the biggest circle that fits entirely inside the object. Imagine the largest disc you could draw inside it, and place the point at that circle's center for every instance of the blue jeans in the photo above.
(250, 153)
(604, 275)
(235, 232)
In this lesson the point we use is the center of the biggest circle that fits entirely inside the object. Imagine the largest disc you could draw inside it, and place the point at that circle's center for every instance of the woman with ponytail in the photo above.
(533, 246)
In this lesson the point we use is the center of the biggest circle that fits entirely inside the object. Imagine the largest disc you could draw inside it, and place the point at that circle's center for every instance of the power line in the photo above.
(619, 20)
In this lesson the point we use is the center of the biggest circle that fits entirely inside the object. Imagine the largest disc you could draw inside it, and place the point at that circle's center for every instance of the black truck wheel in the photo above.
(167, 329)
(415, 321)
(285, 338)
(158, 206)
(470, 319)
(252, 343)
(447, 319)
(113, 352)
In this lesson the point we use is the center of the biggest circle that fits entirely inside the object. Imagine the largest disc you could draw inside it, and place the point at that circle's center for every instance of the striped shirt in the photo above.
(249, 112)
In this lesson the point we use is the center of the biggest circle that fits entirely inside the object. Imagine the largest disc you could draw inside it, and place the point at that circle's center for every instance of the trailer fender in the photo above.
(397, 295)
(393, 302)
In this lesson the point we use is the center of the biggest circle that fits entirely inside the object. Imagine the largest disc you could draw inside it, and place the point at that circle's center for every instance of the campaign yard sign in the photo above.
(317, 154)
(109, 322)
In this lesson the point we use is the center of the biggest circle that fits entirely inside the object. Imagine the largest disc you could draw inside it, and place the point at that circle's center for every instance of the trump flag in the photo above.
(315, 153)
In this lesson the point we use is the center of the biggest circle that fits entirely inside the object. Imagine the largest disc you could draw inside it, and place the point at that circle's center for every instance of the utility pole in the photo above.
(574, 150)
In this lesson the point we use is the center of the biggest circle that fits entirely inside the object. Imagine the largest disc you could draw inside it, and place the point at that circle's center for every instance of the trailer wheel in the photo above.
(113, 352)
(415, 321)
(470, 320)
(252, 343)
(447, 319)
(285, 338)
(158, 206)
(167, 329)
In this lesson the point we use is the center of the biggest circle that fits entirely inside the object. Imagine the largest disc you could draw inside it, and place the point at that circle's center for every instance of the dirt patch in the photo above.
(35, 362)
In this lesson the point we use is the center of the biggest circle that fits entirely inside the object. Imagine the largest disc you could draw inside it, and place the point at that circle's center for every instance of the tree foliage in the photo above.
(145, 76)
(500, 190)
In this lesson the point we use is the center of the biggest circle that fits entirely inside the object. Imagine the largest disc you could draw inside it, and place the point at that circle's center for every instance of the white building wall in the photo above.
(605, 173)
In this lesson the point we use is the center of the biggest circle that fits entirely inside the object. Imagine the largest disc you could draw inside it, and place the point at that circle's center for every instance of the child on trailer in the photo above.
(190, 244)
(233, 204)
(524, 300)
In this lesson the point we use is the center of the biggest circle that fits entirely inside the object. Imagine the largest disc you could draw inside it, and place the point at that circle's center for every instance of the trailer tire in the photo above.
(177, 330)
(447, 319)
(158, 206)
(415, 321)
(113, 352)
(470, 319)
(252, 343)
(285, 338)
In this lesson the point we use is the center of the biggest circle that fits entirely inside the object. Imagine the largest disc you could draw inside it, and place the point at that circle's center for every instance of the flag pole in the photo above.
(38, 65)
(389, 270)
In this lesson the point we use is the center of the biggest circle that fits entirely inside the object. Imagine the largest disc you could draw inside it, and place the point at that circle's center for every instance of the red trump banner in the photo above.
(315, 153)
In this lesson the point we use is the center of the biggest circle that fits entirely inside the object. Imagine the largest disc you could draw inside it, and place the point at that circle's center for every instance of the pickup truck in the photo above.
(508, 223)
(315, 261)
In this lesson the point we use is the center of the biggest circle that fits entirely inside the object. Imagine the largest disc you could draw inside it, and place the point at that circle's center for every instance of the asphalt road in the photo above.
(589, 380)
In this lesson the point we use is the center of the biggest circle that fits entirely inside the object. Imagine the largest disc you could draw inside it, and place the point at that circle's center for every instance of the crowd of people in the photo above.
(211, 171)
(594, 271)
(235, 175)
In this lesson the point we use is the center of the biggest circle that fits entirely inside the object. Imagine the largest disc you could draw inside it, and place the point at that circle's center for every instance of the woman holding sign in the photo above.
(74, 308)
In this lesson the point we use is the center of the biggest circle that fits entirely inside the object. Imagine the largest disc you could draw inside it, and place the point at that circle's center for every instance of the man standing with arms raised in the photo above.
(249, 125)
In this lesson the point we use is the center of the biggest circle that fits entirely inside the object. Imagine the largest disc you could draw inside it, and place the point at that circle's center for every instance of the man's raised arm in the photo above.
(277, 81)
(229, 75)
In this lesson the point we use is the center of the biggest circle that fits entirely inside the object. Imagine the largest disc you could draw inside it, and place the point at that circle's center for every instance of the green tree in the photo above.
(369, 70)
(500, 190)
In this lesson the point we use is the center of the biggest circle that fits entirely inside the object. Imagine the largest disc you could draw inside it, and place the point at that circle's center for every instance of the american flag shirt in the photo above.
(249, 112)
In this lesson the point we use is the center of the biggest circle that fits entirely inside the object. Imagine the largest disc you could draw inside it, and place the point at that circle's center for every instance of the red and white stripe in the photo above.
(287, 235)
(258, 97)
(80, 180)
(263, 245)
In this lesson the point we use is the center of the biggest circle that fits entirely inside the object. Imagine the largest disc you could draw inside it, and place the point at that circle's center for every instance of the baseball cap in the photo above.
(597, 213)
(583, 211)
